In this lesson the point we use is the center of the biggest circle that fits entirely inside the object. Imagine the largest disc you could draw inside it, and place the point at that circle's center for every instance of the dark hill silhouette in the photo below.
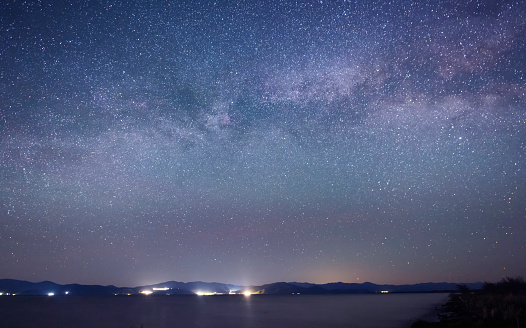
(21, 287)
(282, 288)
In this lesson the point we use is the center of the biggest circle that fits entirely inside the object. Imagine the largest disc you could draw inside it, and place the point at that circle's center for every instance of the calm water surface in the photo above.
(360, 311)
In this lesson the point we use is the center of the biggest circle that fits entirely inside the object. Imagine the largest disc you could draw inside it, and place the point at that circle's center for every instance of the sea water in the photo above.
(358, 311)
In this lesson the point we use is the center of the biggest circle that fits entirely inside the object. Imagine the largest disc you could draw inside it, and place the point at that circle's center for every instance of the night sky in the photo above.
(251, 142)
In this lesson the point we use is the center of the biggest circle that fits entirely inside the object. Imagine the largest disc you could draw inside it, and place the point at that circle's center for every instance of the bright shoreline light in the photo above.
(201, 293)
(247, 293)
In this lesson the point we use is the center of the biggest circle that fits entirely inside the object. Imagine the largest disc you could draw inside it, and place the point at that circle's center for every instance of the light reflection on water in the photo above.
(359, 311)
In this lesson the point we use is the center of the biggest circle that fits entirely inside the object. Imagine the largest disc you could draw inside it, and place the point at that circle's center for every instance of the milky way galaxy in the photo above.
(250, 142)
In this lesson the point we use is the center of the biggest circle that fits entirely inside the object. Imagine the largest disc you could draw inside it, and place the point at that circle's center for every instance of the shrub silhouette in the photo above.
(501, 304)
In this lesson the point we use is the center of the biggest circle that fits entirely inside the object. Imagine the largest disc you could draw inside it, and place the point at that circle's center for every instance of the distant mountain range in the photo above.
(20, 287)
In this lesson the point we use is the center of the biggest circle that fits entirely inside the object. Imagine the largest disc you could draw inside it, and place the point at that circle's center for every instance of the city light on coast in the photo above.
(202, 293)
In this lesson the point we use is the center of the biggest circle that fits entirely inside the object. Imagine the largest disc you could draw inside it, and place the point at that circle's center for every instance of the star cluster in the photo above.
(251, 142)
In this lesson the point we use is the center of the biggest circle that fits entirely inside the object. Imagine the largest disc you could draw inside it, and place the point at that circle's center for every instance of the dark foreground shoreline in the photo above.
(500, 305)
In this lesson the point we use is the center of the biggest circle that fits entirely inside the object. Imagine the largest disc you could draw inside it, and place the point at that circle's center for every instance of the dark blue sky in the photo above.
(249, 142)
